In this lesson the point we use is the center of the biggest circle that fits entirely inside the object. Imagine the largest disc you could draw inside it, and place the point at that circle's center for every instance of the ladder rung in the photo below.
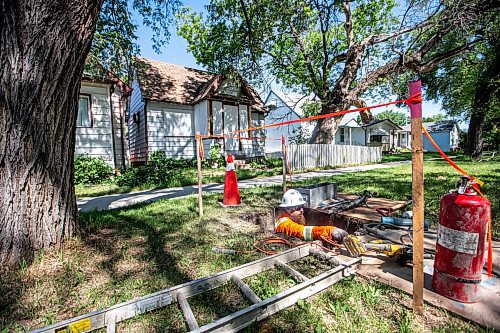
(111, 325)
(297, 275)
(188, 314)
(246, 289)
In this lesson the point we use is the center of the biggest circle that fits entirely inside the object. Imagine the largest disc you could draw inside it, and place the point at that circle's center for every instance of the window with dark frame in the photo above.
(342, 134)
(84, 117)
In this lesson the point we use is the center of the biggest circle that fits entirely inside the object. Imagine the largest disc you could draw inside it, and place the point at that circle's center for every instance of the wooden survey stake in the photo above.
(283, 153)
(198, 160)
(418, 197)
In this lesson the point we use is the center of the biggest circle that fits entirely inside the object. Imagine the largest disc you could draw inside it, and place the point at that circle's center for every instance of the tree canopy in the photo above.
(336, 50)
(468, 85)
(114, 46)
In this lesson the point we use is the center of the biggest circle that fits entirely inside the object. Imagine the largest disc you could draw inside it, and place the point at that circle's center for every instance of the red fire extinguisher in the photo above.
(460, 247)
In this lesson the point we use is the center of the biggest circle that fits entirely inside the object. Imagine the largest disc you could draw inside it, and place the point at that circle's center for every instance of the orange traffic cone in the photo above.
(231, 192)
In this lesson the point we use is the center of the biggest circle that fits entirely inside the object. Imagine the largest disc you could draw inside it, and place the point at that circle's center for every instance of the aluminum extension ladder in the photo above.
(234, 322)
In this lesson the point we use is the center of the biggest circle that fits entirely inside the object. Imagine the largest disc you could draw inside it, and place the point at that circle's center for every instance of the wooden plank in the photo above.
(284, 162)
(168, 296)
(243, 318)
(200, 184)
(295, 274)
(188, 313)
(367, 214)
(245, 289)
(418, 200)
(485, 312)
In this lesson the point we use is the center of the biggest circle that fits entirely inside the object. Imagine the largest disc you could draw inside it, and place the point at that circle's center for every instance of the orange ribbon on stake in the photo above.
(201, 151)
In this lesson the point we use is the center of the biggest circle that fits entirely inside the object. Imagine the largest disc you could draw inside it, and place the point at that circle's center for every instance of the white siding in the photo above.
(137, 130)
(201, 123)
(97, 141)
(217, 117)
(352, 136)
(258, 146)
(171, 128)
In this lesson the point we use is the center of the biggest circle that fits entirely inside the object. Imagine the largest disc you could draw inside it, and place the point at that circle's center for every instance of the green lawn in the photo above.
(186, 177)
(439, 178)
(131, 252)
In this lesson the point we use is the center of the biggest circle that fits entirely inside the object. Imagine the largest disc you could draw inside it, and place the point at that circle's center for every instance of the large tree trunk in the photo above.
(485, 90)
(475, 133)
(325, 129)
(44, 44)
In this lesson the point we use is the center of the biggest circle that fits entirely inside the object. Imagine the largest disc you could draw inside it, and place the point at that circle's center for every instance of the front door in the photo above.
(231, 121)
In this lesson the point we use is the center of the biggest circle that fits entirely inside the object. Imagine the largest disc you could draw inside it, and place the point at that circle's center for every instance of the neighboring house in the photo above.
(284, 107)
(100, 120)
(170, 104)
(350, 132)
(444, 132)
(378, 133)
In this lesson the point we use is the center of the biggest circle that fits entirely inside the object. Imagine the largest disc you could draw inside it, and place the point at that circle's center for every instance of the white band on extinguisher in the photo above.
(230, 166)
(456, 240)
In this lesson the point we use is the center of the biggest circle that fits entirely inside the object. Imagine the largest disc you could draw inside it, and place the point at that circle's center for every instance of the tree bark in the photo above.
(475, 133)
(325, 129)
(44, 44)
(485, 91)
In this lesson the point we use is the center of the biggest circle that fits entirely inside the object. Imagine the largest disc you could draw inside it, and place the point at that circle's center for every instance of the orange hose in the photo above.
(490, 249)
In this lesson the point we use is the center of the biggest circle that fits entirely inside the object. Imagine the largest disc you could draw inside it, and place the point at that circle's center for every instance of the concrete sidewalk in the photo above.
(114, 201)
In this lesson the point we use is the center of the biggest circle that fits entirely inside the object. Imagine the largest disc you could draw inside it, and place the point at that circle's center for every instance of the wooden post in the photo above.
(200, 186)
(418, 199)
(283, 147)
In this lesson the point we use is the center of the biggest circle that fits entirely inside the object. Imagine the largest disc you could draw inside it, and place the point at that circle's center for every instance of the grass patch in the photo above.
(186, 177)
(132, 252)
(439, 178)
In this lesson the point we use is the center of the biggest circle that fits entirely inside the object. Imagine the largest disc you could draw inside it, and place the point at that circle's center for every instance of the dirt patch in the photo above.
(263, 219)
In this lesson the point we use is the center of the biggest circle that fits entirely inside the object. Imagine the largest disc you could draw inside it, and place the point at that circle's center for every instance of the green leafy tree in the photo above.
(45, 44)
(336, 50)
(468, 86)
(398, 118)
(434, 118)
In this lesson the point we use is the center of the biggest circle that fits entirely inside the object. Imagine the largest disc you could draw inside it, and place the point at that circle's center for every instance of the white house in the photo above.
(378, 133)
(284, 107)
(170, 103)
(444, 132)
(100, 120)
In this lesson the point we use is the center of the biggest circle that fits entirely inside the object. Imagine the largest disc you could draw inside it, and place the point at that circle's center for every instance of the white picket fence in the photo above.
(320, 155)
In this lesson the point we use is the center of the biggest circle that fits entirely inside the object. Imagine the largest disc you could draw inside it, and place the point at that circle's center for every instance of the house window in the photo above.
(376, 138)
(84, 117)
(342, 134)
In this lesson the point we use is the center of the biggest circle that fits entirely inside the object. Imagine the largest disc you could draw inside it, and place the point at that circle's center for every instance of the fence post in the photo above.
(418, 199)
(199, 142)
(284, 162)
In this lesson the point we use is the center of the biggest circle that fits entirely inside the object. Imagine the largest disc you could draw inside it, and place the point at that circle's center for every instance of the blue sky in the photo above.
(175, 52)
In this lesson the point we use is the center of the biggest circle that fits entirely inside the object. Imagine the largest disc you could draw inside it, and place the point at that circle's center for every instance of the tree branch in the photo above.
(348, 24)
(307, 59)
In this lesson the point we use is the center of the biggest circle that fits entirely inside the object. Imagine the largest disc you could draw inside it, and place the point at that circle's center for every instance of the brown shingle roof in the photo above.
(162, 82)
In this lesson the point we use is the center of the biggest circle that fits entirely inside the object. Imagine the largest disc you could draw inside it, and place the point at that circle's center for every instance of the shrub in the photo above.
(91, 170)
(216, 157)
(159, 170)
(267, 162)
